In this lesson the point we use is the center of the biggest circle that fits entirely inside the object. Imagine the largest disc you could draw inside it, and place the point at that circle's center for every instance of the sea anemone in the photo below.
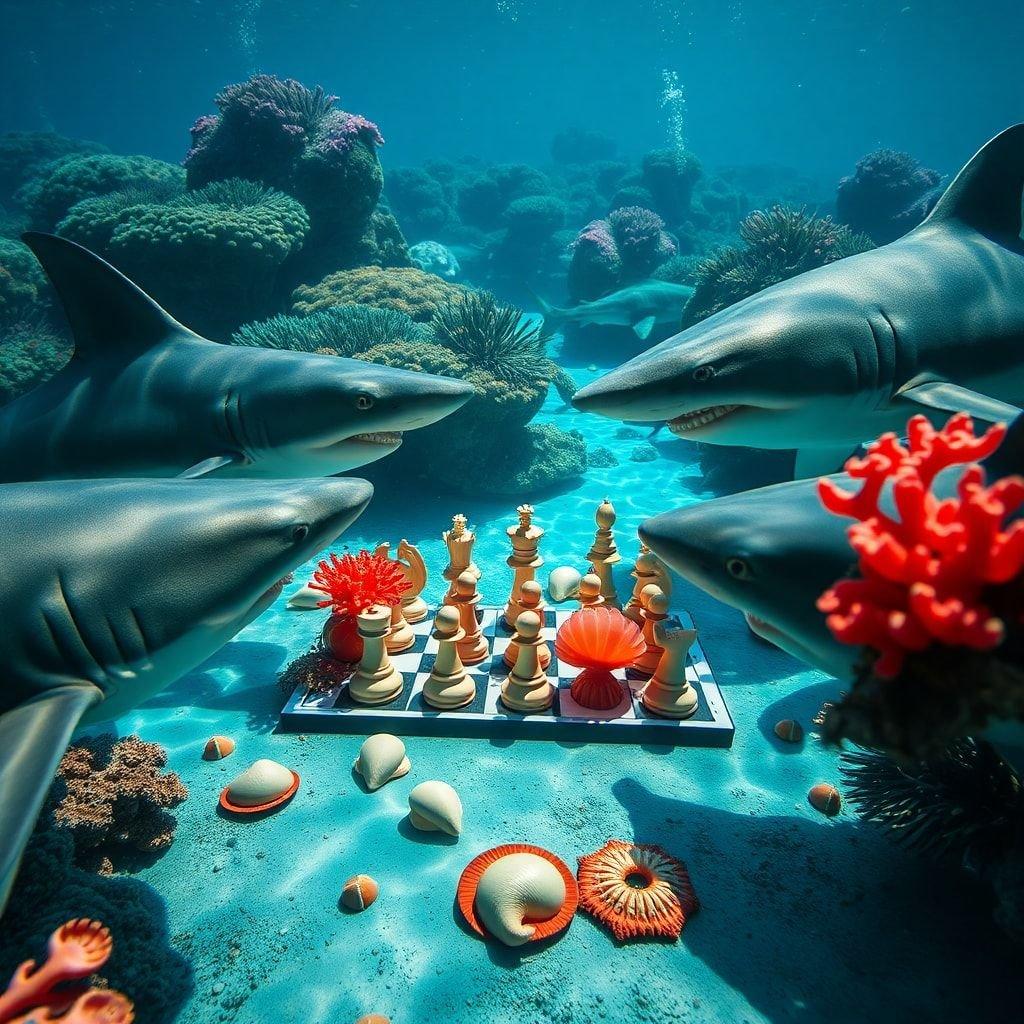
(598, 639)
(354, 583)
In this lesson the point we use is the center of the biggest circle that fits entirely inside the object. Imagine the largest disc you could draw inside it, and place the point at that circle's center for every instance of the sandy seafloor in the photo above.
(803, 918)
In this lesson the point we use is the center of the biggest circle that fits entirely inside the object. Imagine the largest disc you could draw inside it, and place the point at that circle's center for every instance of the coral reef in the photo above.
(24, 290)
(888, 194)
(23, 155)
(113, 797)
(670, 176)
(435, 258)
(404, 289)
(778, 244)
(59, 185)
(31, 352)
(422, 202)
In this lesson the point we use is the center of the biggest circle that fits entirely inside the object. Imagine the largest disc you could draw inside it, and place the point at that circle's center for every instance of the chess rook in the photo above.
(414, 569)
(531, 596)
(459, 541)
(649, 568)
(473, 646)
(654, 606)
(668, 693)
(375, 680)
(449, 685)
(524, 560)
(604, 553)
(527, 687)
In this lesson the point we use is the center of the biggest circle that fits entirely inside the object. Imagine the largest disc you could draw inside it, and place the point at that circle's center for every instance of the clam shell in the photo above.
(218, 747)
(516, 888)
(306, 599)
(825, 798)
(381, 759)
(435, 807)
(563, 583)
(261, 782)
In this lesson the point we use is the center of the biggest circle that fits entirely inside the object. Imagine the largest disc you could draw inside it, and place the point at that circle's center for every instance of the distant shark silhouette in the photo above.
(642, 306)
(115, 588)
(144, 396)
(930, 323)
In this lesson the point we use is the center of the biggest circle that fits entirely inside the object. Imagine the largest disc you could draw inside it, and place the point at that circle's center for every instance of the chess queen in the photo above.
(524, 560)
(459, 540)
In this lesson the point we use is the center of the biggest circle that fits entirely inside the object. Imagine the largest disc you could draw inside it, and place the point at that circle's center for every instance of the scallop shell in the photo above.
(600, 637)
(218, 747)
(306, 599)
(435, 807)
(563, 583)
(260, 783)
(381, 759)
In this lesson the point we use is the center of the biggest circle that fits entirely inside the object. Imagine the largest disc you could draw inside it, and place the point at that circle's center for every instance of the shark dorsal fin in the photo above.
(105, 311)
(986, 194)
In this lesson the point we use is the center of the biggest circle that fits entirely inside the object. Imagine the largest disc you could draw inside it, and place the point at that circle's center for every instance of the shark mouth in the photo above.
(385, 438)
(682, 425)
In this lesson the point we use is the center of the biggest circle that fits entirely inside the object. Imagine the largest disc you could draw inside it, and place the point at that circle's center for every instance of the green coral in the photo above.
(48, 197)
(405, 289)
(421, 356)
(92, 222)
(24, 290)
(24, 154)
(779, 243)
(382, 244)
(30, 353)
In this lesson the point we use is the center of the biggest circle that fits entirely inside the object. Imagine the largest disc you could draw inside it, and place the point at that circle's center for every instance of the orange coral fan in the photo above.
(354, 583)
(637, 890)
(598, 639)
(925, 575)
(56, 990)
(116, 796)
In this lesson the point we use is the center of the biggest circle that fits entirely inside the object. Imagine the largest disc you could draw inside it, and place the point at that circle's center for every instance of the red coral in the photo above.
(925, 575)
(354, 583)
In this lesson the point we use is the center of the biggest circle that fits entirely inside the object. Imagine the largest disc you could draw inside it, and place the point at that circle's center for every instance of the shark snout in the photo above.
(632, 392)
(419, 399)
(328, 507)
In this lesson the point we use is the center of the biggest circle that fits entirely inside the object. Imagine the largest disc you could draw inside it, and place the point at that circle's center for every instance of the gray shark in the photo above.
(144, 396)
(642, 306)
(930, 323)
(115, 588)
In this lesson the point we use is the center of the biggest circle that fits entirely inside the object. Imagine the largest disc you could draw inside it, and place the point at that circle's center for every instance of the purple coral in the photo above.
(342, 133)
(641, 237)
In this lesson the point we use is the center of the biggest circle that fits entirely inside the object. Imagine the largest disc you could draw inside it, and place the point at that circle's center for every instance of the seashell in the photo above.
(263, 782)
(218, 747)
(789, 730)
(599, 638)
(825, 798)
(517, 893)
(359, 892)
(374, 1018)
(435, 807)
(306, 599)
(563, 583)
(381, 759)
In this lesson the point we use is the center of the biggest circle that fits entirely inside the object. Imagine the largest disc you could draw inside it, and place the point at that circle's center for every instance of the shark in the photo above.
(143, 396)
(642, 306)
(930, 323)
(113, 589)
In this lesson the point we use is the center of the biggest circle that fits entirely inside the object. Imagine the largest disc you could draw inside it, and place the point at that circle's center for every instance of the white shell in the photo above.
(516, 887)
(306, 598)
(381, 759)
(435, 807)
(261, 782)
(563, 583)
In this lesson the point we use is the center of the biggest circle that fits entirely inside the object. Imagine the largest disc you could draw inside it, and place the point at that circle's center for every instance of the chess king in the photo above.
(459, 541)
(524, 560)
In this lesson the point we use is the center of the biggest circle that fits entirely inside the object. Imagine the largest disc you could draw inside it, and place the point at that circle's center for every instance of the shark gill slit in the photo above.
(143, 639)
(77, 631)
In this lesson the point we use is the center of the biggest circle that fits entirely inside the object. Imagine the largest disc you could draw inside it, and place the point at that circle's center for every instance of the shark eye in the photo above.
(364, 401)
(703, 373)
(738, 569)
(300, 533)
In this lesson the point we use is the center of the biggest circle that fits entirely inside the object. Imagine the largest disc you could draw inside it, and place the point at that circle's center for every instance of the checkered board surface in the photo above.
(409, 715)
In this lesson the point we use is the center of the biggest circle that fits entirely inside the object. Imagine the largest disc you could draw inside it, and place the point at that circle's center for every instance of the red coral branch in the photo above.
(926, 574)
(354, 583)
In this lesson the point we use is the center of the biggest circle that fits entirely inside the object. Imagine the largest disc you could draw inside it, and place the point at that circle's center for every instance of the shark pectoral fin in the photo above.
(812, 462)
(210, 465)
(642, 328)
(942, 395)
(33, 737)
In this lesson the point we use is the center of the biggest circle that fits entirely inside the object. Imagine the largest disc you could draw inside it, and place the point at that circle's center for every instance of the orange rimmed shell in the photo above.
(825, 798)
(600, 637)
(218, 747)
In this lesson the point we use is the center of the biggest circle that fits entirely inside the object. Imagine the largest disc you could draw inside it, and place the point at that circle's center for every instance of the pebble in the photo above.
(825, 798)
(218, 988)
(789, 730)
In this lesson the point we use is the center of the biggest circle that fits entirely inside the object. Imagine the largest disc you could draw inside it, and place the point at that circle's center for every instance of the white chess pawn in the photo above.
(668, 693)
(590, 595)
(375, 680)
(649, 568)
(527, 687)
(449, 684)
(654, 606)
(473, 646)
(531, 595)
(400, 637)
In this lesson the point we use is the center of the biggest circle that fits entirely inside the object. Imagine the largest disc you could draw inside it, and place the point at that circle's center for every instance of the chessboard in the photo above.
(333, 710)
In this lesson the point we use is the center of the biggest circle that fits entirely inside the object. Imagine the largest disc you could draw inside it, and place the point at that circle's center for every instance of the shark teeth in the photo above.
(385, 437)
(699, 418)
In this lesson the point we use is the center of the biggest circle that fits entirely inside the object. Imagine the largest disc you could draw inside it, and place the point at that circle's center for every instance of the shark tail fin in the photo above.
(103, 307)
(554, 317)
(986, 194)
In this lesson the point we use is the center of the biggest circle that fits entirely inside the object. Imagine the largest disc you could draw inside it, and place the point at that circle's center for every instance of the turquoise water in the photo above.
(803, 917)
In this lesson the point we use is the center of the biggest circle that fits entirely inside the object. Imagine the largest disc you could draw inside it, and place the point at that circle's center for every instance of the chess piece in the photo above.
(668, 693)
(654, 606)
(590, 591)
(459, 540)
(414, 569)
(400, 637)
(649, 568)
(527, 687)
(473, 646)
(604, 553)
(530, 599)
(375, 680)
(524, 559)
(449, 684)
